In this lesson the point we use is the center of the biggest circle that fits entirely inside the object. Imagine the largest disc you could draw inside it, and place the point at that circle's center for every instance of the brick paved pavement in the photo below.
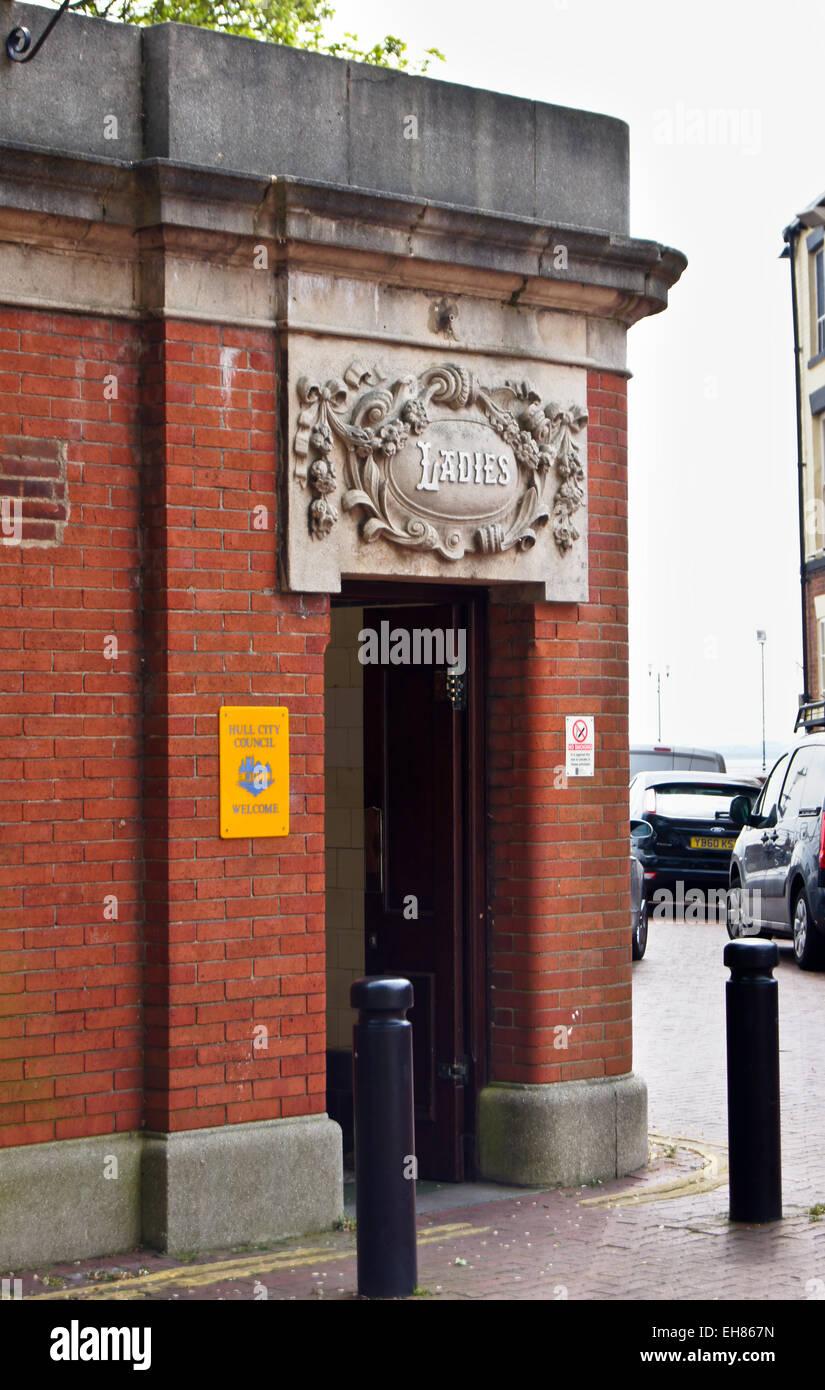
(679, 1047)
(570, 1244)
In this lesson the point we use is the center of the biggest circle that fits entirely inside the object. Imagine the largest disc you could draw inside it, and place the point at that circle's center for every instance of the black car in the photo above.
(693, 830)
(777, 869)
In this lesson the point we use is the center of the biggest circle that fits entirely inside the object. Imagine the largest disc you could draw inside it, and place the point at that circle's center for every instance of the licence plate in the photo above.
(711, 842)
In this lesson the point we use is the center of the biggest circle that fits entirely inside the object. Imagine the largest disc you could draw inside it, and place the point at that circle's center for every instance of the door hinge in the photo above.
(373, 849)
(459, 1070)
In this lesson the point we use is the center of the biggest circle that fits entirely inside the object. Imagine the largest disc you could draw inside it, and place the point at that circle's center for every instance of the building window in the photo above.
(820, 298)
(821, 627)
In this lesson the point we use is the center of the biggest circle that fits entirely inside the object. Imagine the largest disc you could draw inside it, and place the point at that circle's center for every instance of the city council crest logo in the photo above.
(253, 776)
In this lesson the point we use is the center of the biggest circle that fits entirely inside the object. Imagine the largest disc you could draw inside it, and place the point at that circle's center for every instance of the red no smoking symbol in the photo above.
(580, 731)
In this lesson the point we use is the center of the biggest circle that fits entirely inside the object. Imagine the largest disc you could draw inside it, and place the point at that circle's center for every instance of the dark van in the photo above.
(777, 869)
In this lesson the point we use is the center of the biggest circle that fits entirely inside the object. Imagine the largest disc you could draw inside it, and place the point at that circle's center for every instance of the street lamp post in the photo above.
(762, 638)
(659, 694)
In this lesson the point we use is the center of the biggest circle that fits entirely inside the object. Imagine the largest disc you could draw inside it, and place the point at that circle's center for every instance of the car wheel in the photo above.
(807, 947)
(733, 912)
(734, 917)
(640, 932)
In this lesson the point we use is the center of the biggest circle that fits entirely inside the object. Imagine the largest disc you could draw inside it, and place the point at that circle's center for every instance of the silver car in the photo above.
(777, 869)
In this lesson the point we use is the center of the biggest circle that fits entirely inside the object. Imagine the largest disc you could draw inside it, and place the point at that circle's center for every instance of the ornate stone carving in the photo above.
(408, 474)
(322, 480)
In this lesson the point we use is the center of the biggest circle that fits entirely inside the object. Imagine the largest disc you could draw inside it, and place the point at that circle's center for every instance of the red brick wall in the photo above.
(70, 826)
(139, 524)
(559, 856)
(233, 929)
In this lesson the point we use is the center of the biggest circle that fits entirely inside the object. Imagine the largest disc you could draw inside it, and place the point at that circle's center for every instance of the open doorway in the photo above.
(405, 846)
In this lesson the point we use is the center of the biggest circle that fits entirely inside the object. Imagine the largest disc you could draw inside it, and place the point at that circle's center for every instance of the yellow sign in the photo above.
(254, 760)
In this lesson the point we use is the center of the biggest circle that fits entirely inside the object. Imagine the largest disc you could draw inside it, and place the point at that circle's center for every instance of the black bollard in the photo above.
(384, 1137)
(752, 1009)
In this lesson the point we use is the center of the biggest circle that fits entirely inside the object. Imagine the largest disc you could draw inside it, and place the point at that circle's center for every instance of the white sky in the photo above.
(713, 511)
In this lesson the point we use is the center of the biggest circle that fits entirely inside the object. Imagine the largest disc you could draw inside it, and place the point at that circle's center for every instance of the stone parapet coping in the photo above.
(122, 219)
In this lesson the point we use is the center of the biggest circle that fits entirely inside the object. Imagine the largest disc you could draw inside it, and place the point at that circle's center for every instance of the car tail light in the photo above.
(822, 844)
(650, 802)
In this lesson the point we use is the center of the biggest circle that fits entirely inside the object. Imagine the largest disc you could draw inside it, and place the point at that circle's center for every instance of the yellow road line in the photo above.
(712, 1174)
(202, 1275)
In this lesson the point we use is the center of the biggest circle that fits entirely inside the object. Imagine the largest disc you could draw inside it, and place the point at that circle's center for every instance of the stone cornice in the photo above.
(90, 207)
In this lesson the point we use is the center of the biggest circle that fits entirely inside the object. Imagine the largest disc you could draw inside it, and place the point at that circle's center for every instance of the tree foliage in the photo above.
(298, 23)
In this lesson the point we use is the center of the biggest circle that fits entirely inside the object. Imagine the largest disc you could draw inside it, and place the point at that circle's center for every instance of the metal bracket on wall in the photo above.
(19, 41)
(449, 685)
(457, 690)
(458, 1070)
(374, 850)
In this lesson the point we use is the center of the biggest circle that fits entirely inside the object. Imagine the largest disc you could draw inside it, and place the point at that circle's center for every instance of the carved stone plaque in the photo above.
(442, 472)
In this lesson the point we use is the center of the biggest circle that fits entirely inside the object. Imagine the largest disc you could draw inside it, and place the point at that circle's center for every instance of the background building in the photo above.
(805, 238)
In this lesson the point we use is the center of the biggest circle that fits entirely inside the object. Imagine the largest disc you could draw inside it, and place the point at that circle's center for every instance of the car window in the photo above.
(814, 798)
(696, 801)
(793, 794)
(650, 762)
(773, 786)
(708, 763)
(809, 792)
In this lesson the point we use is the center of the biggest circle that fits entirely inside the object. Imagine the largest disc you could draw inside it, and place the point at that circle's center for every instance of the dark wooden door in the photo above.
(415, 884)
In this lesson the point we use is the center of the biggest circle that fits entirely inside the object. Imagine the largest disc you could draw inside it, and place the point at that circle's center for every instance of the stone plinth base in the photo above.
(569, 1133)
(197, 1190)
(238, 1184)
(69, 1200)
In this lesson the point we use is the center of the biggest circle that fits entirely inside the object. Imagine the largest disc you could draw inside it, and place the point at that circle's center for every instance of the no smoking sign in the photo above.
(579, 745)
